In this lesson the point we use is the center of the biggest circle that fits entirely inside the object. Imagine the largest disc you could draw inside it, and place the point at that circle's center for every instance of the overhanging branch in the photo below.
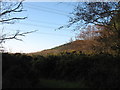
(10, 19)
(15, 36)
(12, 10)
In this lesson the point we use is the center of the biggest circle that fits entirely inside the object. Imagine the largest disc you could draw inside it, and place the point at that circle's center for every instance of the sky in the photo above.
(44, 17)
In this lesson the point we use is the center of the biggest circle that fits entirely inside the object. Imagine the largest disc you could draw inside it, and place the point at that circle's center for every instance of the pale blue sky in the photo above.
(44, 17)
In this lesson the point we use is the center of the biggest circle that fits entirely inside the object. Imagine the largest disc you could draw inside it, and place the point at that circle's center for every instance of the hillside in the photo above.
(78, 45)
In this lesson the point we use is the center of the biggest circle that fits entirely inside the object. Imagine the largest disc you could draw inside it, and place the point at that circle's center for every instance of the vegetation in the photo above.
(7, 11)
(78, 45)
(92, 62)
(100, 32)
(66, 70)
(99, 25)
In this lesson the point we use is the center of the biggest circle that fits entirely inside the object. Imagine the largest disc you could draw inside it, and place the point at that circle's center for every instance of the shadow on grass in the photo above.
(52, 83)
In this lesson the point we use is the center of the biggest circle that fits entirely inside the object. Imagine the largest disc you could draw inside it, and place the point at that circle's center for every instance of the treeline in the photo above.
(22, 71)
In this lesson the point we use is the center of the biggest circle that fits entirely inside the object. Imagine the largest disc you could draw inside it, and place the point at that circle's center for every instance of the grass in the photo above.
(51, 83)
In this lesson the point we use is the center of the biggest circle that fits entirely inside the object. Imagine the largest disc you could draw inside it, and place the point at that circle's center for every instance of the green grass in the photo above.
(48, 83)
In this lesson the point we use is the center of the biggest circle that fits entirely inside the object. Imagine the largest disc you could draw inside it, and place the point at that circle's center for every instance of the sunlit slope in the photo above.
(78, 45)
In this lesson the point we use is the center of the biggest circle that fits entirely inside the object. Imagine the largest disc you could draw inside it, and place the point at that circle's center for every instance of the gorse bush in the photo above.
(21, 71)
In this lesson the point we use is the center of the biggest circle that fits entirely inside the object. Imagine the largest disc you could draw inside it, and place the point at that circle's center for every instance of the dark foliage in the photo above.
(100, 71)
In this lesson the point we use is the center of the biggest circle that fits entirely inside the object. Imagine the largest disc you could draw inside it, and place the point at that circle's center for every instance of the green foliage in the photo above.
(66, 70)
(52, 83)
(17, 71)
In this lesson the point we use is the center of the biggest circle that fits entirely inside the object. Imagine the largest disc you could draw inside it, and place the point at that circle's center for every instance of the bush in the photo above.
(101, 70)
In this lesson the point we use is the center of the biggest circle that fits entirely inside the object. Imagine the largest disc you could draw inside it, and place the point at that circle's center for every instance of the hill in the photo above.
(78, 45)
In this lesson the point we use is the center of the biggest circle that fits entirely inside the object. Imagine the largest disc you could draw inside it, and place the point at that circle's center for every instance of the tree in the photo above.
(90, 32)
(105, 16)
(98, 13)
(7, 9)
(95, 13)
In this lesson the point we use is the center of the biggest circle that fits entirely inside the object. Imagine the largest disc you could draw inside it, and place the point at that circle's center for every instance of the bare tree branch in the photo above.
(10, 19)
(15, 36)
(6, 11)
(12, 10)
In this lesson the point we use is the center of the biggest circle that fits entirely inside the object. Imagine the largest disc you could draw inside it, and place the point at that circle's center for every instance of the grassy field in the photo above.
(52, 83)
